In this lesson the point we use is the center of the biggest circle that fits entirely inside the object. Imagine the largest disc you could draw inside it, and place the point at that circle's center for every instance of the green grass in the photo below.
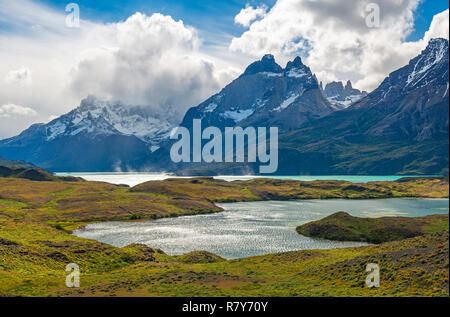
(36, 218)
(6, 204)
(34, 256)
(343, 227)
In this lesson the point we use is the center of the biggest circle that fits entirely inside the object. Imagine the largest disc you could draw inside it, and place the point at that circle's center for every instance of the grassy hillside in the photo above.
(344, 227)
(35, 246)
(14, 163)
(34, 174)
(33, 257)
(69, 204)
(272, 189)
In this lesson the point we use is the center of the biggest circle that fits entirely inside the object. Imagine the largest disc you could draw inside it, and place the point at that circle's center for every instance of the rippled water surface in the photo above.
(252, 228)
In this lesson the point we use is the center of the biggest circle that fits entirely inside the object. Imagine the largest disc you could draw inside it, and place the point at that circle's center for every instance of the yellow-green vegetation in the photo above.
(70, 204)
(34, 174)
(35, 245)
(272, 189)
(343, 227)
(33, 257)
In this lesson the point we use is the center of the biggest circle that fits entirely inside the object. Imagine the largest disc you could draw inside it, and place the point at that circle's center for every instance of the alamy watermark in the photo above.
(373, 279)
(73, 18)
(373, 15)
(73, 279)
(228, 146)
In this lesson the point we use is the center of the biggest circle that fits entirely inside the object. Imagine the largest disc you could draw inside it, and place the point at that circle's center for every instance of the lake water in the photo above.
(133, 179)
(253, 228)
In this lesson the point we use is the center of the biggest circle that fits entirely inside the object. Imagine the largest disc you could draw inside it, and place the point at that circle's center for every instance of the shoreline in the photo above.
(111, 227)
(91, 176)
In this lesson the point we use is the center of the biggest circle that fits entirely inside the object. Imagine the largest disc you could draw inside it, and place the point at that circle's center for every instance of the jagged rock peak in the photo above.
(266, 64)
(297, 62)
(268, 57)
(436, 42)
(334, 87)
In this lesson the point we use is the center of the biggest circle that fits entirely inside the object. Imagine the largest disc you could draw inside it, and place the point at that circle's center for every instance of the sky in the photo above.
(171, 55)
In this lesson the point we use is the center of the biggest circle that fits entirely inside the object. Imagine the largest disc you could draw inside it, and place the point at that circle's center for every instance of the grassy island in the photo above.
(343, 227)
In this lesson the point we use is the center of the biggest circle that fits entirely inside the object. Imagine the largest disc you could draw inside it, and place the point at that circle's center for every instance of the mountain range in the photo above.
(399, 128)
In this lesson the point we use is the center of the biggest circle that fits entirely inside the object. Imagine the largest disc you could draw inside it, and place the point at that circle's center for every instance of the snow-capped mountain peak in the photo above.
(414, 98)
(436, 52)
(99, 117)
(265, 93)
(428, 68)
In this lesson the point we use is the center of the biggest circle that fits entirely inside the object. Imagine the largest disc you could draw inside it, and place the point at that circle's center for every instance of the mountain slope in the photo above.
(8, 163)
(401, 127)
(96, 136)
(265, 95)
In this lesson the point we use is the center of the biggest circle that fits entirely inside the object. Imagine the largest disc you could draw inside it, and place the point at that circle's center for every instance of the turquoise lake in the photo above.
(133, 179)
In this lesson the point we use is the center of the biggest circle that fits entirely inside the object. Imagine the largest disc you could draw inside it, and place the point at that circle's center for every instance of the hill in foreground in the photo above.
(33, 174)
(343, 227)
(9, 163)
(411, 267)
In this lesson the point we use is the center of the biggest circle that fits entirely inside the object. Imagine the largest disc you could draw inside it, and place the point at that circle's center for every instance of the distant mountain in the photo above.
(96, 136)
(98, 117)
(342, 97)
(265, 95)
(401, 127)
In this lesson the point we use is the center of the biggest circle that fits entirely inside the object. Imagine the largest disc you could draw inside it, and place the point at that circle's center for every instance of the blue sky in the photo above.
(211, 16)
(424, 15)
(208, 16)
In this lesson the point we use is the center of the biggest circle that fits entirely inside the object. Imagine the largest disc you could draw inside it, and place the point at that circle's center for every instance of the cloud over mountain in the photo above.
(338, 43)
(152, 61)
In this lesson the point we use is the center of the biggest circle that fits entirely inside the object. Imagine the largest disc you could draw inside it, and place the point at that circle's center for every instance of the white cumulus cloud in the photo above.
(249, 14)
(439, 27)
(335, 40)
(160, 62)
(12, 110)
(152, 61)
(20, 76)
